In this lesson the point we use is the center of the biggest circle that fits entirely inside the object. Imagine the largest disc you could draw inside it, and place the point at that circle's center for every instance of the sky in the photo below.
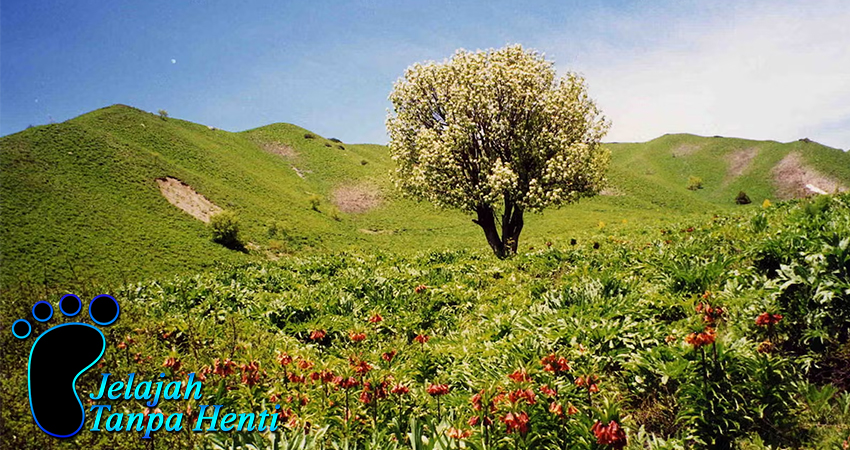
(771, 70)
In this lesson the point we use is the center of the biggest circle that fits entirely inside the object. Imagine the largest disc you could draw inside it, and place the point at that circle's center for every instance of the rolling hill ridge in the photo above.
(83, 199)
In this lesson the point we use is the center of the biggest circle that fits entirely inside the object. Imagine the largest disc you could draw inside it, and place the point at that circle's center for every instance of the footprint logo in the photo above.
(59, 356)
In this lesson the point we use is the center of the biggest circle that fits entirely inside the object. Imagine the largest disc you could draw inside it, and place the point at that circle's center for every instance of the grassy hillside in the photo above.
(80, 199)
(690, 337)
(725, 165)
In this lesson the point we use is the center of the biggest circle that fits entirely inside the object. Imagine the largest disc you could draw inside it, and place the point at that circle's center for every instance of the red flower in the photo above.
(346, 383)
(362, 367)
(588, 381)
(421, 338)
(767, 319)
(250, 373)
(399, 389)
(376, 318)
(476, 401)
(293, 378)
(610, 434)
(519, 376)
(146, 415)
(546, 390)
(437, 390)
(356, 337)
(455, 433)
(704, 338)
(516, 422)
(284, 359)
(520, 394)
(305, 364)
(556, 409)
(712, 314)
(420, 289)
(317, 335)
(223, 368)
(571, 410)
(555, 364)
(388, 356)
(172, 363)
(366, 396)
(473, 421)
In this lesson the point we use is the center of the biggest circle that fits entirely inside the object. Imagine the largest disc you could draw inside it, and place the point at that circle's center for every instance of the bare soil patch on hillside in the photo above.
(794, 179)
(184, 197)
(279, 149)
(740, 161)
(357, 198)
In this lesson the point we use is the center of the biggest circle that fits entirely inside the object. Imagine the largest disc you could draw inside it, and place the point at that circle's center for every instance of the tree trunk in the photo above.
(511, 227)
(487, 221)
(512, 223)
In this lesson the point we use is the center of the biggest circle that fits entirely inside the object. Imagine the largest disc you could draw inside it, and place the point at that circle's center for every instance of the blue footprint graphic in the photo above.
(59, 356)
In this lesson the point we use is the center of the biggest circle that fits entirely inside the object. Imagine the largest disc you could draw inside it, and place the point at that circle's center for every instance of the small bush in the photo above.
(277, 246)
(335, 140)
(276, 229)
(335, 214)
(225, 229)
(694, 183)
(742, 198)
(342, 147)
(363, 162)
(163, 114)
(309, 136)
(314, 201)
(328, 145)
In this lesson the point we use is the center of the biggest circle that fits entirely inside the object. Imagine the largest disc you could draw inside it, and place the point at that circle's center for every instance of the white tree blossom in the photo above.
(496, 133)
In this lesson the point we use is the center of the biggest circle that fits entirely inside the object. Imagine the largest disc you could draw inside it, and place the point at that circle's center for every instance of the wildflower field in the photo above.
(729, 333)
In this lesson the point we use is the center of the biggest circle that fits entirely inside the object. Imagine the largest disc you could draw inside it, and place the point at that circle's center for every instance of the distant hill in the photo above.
(87, 198)
(762, 169)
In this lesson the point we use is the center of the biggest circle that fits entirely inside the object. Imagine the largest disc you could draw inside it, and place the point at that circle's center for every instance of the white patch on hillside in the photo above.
(184, 197)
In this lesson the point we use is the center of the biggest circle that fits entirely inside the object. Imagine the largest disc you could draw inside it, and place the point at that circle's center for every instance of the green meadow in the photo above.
(653, 316)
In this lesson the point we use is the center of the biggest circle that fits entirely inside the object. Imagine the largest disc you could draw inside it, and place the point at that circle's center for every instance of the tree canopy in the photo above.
(496, 133)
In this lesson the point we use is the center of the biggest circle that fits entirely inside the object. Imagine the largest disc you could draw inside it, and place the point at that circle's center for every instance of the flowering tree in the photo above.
(496, 133)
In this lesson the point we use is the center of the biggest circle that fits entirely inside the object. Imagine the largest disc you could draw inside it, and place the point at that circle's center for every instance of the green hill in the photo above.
(81, 201)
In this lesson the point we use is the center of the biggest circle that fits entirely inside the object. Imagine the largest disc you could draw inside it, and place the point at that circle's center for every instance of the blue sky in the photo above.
(764, 70)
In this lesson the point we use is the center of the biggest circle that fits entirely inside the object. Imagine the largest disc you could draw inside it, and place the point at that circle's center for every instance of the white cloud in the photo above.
(760, 72)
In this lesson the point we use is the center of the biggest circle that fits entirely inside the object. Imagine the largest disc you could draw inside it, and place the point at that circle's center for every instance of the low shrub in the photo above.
(314, 201)
(742, 198)
(694, 183)
(225, 229)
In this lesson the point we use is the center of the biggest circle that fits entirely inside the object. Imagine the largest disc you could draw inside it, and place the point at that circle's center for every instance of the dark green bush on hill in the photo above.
(694, 183)
(225, 229)
(742, 198)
